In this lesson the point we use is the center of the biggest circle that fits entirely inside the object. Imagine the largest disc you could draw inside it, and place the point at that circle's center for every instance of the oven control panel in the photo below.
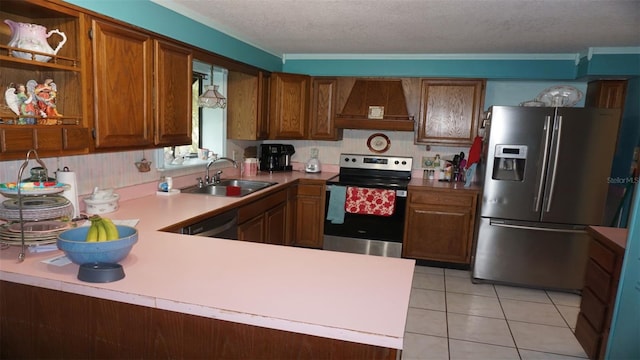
(376, 162)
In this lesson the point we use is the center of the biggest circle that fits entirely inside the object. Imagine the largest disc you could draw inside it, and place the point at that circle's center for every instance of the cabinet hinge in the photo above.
(90, 34)
(93, 133)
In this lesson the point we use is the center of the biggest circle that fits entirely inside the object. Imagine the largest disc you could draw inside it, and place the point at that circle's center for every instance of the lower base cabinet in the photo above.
(38, 323)
(439, 225)
(309, 214)
(265, 220)
(599, 294)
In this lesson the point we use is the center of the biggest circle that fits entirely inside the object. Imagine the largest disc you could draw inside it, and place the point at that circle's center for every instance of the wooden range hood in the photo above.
(384, 93)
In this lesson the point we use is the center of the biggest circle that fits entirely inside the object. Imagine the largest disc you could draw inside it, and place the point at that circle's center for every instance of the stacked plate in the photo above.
(35, 233)
(43, 218)
(36, 208)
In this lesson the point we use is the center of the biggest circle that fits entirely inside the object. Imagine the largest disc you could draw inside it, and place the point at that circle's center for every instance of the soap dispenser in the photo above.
(313, 165)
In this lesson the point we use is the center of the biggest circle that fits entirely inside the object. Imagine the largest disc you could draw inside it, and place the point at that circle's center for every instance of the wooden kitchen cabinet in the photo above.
(608, 94)
(35, 324)
(247, 106)
(173, 70)
(289, 106)
(310, 201)
(48, 135)
(141, 88)
(439, 225)
(323, 110)
(600, 288)
(265, 220)
(449, 111)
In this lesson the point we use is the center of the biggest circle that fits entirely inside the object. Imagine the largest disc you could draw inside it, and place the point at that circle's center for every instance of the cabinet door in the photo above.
(247, 106)
(122, 85)
(438, 233)
(264, 98)
(608, 94)
(252, 230)
(173, 76)
(48, 139)
(323, 110)
(449, 111)
(75, 139)
(309, 216)
(288, 112)
(276, 225)
(17, 140)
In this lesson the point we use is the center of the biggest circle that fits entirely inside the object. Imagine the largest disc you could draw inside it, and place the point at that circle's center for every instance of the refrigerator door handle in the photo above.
(547, 128)
(522, 227)
(558, 130)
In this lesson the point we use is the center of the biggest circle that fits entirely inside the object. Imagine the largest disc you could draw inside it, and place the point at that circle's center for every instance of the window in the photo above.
(209, 126)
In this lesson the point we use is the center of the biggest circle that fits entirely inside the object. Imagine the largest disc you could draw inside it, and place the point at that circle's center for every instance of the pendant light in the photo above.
(212, 98)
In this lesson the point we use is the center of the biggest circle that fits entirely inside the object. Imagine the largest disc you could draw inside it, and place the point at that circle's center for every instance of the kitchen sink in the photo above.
(229, 187)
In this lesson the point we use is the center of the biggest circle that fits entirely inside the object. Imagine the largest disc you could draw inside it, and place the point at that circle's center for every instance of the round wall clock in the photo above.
(378, 143)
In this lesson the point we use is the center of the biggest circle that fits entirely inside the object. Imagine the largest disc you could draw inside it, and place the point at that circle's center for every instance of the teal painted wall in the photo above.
(614, 64)
(153, 17)
(492, 69)
(523, 69)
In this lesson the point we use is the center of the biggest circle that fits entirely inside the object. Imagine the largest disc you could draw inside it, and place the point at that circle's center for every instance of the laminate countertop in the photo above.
(342, 296)
(617, 236)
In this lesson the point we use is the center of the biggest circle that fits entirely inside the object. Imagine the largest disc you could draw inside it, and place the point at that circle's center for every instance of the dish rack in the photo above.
(20, 197)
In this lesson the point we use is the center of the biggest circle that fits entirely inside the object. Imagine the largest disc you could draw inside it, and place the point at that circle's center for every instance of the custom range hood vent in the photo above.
(376, 105)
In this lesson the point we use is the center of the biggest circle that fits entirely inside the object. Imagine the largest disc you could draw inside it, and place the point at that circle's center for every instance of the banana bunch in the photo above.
(101, 229)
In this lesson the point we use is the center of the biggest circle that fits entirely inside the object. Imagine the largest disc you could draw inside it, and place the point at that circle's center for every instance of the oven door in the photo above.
(368, 234)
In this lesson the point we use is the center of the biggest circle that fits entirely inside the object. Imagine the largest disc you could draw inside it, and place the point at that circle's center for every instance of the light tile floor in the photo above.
(451, 318)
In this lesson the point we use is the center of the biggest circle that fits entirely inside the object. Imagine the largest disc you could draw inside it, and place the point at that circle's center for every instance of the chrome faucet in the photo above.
(216, 178)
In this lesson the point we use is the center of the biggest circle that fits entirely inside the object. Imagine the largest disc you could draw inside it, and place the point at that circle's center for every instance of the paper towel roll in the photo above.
(69, 178)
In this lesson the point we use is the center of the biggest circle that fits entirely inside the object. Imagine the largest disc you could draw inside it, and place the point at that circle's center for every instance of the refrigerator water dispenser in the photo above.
(509, 162)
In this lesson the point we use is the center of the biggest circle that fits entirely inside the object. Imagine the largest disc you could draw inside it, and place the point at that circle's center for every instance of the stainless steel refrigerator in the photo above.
(546, 173)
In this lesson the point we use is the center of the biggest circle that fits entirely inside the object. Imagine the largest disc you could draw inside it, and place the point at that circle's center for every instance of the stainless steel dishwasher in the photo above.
(223, 226)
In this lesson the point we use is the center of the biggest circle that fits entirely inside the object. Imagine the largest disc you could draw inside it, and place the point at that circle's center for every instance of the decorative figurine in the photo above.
(11, 98)
(27, 107)
(45, 94)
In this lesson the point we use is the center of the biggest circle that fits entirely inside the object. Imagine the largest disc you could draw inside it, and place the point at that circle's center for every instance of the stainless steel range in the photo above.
(365, 205)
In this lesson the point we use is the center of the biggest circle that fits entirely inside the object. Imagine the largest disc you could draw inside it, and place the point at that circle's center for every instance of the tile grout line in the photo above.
(446, 313)
(507, 321)
(560, 312)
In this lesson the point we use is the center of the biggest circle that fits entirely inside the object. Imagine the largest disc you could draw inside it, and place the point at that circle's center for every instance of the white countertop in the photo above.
(350, 297)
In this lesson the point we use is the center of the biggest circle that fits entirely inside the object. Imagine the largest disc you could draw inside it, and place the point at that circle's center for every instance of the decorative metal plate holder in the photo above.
(22, 254)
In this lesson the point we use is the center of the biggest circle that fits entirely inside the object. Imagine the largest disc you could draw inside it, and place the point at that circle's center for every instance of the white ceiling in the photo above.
(421, 26)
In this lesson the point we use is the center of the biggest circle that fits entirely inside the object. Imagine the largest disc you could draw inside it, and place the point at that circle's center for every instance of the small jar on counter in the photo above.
(165, 184)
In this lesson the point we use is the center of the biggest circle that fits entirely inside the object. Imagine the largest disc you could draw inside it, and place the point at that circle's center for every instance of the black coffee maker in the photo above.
(275, 157)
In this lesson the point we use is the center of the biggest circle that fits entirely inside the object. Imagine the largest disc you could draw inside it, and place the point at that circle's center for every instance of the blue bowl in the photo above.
(73, 243)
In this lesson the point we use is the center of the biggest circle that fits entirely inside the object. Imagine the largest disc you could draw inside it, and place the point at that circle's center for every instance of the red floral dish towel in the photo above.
(370, 201)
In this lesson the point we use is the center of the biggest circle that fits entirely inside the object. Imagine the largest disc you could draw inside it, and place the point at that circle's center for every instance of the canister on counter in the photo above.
(250, 167)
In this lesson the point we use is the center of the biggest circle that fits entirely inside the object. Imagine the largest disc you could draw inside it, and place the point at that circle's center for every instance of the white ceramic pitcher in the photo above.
(33, 37)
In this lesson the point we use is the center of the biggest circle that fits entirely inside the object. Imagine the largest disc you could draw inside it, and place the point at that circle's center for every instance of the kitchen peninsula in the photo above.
(197, 297)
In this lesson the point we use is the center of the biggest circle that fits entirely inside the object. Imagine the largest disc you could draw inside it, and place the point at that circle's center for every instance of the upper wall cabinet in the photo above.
(449, 111)
(247, 106)
(173, 69)
(49, 75)
(289, 106)
(323, 110)
(141, 88)
(609, 94)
